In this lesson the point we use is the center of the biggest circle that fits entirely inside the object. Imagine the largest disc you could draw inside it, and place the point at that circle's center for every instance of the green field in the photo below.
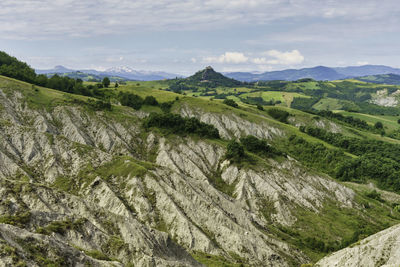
(285, 97)
(328, 104)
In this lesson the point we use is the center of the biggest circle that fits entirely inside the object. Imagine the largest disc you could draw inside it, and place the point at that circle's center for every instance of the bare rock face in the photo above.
(380, 249)
(232, 126)
(20, 247)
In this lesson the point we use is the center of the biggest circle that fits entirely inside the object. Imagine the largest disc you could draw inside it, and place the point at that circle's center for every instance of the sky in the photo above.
(187, 35)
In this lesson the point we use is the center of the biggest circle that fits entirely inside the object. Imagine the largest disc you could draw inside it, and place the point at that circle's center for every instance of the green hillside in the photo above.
(381, 79)
(145, 172)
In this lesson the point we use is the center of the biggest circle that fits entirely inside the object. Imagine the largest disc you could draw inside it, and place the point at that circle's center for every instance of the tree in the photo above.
(106, 82)
(378, 125)
(260, 107)
(116, 85)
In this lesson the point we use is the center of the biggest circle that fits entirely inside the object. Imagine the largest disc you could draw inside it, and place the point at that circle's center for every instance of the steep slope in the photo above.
(380, 249)
(94, 187)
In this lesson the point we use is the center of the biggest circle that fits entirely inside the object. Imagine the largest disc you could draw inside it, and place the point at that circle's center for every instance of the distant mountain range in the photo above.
(122, 72)
(317, 73)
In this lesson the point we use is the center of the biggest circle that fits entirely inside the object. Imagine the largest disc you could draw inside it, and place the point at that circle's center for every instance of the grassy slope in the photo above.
(328, 225)
(328, 104)
(284, 97)
(389, 122)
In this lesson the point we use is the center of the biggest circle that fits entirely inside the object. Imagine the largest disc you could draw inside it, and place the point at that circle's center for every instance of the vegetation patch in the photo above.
(96, 254)
(61, 227)
(214, 260)
(216, 180)
(377, 160)
(278, 114)
(230, 102)
(123, 166)
(173, 123)
(20, 219)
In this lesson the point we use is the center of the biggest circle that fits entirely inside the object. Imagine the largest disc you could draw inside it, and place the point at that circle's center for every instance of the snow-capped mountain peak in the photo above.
(121, 69)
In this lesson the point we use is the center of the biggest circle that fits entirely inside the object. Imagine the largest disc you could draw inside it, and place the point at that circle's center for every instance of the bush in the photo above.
(260, 107)
(278, 114)
(234, 151)
(166, 106)
(150, 100)
(255, 145)
(130, 100)
(374, 195)
(178, 125)
(99, 104)
(378, 125)
(230, 102)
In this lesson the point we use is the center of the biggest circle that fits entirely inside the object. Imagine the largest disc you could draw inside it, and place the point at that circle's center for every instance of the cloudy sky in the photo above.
(182, 36)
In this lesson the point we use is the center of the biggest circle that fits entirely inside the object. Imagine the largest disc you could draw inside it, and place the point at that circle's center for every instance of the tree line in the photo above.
(377, 160)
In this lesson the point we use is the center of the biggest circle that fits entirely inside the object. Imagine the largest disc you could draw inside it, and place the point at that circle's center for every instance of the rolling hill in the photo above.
(381, 79)
(142, 176)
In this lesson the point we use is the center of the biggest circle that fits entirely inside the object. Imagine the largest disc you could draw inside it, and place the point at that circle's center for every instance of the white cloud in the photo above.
(227, 57)
(261, 60)
(293, 57)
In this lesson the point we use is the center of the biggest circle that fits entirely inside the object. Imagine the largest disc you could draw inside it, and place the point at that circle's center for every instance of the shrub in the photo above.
(278, 114)
(255, 145)
(166, 106)
(130, 100)
(234, 151)
(374, 195)
(150, 100)
(397, 208)
(230, 102)
(378, 125)
(178, 125)
(99, 104)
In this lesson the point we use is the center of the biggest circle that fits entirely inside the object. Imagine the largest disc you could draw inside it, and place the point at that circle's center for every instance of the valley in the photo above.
(170, 173)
